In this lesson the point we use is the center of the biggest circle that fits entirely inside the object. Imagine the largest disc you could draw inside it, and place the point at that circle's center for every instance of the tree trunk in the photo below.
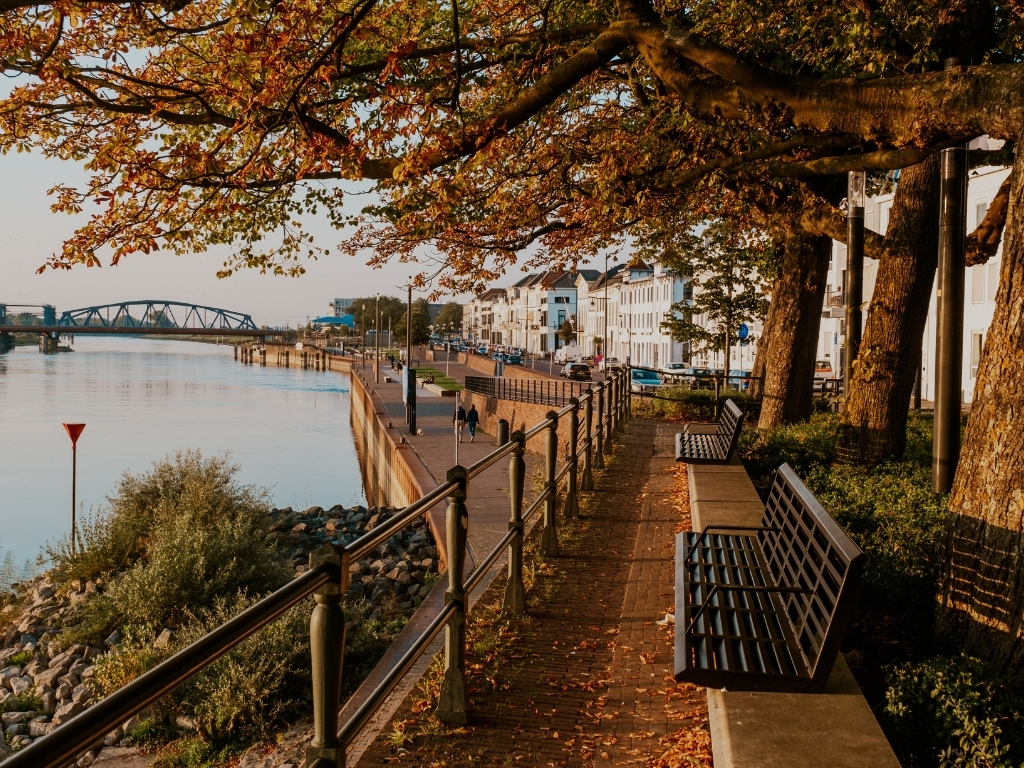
(875, 416)
(791, 328)
(981, 596)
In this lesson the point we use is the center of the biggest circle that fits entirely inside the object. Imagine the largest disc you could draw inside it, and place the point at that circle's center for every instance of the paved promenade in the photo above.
(587, 678)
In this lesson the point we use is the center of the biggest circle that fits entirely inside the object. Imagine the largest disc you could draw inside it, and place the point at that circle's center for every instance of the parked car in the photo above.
(642, 380)
(570, 353)
(740, 380)
(702, 378)
(611, 364)
(822, 372)
(576, 372)
(674, 370)
(482, 349)
(513, 360)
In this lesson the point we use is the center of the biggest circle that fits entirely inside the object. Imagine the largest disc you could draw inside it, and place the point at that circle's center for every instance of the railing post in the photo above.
(515, 593)
(587, 480)
(613, 412)
(607, 425)
(452, 703)
(549, 536)
(599, 428)
(571, 507)
(327, 649)
(620, 423)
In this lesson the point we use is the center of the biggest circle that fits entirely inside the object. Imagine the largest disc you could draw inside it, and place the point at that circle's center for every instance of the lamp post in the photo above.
(604, 344)
(949, 339)
(854, 272)
(74, 432)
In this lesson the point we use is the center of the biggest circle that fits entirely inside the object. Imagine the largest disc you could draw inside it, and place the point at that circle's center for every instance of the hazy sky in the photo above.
(29, 233)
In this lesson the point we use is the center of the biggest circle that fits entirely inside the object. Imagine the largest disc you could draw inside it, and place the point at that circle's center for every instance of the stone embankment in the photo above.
(43, 685)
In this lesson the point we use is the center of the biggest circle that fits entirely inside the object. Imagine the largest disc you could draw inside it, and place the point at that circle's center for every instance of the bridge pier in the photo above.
(263, 357)
(6, 341)
(49, 344)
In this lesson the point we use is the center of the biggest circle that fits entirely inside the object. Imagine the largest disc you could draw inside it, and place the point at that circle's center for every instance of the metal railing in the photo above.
(606, 408)
(536, 391)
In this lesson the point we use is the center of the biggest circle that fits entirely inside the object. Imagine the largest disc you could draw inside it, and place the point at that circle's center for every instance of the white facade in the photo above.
(339, 307)
(483, 317)
(538, 305)
(647, 296)
(979, 290)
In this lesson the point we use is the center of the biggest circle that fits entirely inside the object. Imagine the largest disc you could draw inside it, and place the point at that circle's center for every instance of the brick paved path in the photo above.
(586, 679)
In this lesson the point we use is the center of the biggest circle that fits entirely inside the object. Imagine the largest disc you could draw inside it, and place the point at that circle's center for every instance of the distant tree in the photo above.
(420, 323)
(364, 312)
(729, 272)
(567, 333)
(451, 315)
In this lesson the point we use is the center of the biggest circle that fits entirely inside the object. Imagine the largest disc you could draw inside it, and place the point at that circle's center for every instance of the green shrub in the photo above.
(259, 684)
(892, 514)
(133, 656)
(954, 712)
(803, 446)
(198, 536)
(20, 659)
(26, 701)
(682, 404)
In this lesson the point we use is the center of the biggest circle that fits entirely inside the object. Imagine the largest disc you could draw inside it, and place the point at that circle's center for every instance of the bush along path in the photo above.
(586, 678)
(179, 551)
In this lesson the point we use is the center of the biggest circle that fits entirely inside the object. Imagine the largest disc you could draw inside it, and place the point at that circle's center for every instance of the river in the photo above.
(142, 399)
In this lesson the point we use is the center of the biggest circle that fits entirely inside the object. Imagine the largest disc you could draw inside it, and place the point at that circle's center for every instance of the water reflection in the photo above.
(289, 429)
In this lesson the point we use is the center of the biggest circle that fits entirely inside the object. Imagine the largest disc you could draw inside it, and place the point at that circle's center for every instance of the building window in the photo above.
(977, 343)
(979, 213)
(993, 279)
(979, 290)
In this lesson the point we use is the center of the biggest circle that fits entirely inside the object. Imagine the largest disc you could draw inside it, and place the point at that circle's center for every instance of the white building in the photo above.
(979, 291)
(339, 307)
(483, 317)
(538, 305)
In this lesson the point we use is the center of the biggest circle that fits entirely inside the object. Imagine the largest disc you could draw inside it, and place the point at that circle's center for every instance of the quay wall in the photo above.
(393, 474)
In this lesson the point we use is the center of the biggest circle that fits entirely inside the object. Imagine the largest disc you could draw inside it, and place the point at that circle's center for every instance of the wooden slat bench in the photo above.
(711, 443)
(764, 608)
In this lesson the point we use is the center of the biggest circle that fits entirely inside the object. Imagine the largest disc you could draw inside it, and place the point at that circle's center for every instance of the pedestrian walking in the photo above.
(459, 421)
(472, 419)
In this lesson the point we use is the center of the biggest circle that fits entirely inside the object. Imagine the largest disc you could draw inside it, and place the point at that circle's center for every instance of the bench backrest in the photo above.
(809, 550)
(729, 425)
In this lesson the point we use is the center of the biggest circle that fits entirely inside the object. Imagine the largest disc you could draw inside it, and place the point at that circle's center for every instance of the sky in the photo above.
(30, 233)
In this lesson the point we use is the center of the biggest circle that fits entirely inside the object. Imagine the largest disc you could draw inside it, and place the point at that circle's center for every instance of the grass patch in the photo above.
(682, 404)
(444, 382)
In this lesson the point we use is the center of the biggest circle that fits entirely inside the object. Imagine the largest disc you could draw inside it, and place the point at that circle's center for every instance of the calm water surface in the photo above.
(142, 399)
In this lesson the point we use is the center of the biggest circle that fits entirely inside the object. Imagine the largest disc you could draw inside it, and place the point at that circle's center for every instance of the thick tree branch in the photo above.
(983, 242)
(820, 218)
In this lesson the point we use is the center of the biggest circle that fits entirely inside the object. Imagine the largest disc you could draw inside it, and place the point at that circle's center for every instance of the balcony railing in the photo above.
(834, 300)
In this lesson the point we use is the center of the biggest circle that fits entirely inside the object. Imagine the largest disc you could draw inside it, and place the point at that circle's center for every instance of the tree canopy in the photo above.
(485, 127)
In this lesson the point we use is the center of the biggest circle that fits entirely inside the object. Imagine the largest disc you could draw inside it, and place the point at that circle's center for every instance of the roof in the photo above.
(348, 320)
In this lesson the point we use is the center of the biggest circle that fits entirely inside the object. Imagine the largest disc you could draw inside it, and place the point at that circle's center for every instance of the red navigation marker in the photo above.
(74, 432)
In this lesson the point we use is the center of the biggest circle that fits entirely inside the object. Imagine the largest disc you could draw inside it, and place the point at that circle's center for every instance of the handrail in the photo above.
(327, 578)
(386, 530)
(65, 743)
(372, 703)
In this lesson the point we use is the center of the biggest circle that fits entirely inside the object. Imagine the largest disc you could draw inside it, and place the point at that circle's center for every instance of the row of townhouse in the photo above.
(979, 290)
(624, 305)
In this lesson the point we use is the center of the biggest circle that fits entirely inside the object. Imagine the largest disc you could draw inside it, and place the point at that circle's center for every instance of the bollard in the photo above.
(327, 649)
(236, 351)
(452, 702)
(549, 536)
(599, 429)
(571, 507)
(263, 357)
(587, 480)
(502, 432)
(514, 603)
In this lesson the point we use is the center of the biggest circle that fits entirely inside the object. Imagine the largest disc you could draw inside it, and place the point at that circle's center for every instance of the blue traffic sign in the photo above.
(744, 331)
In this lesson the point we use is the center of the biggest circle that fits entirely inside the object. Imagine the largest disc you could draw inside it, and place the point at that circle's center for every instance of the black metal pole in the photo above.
(74, 483)
(854, 297)
(949, 347)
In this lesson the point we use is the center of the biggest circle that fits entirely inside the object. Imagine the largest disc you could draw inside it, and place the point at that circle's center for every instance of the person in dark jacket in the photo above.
(472, 419)
(459, 421)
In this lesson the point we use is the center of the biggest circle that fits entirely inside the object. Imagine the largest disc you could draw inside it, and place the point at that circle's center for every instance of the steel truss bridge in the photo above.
(148, 316)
